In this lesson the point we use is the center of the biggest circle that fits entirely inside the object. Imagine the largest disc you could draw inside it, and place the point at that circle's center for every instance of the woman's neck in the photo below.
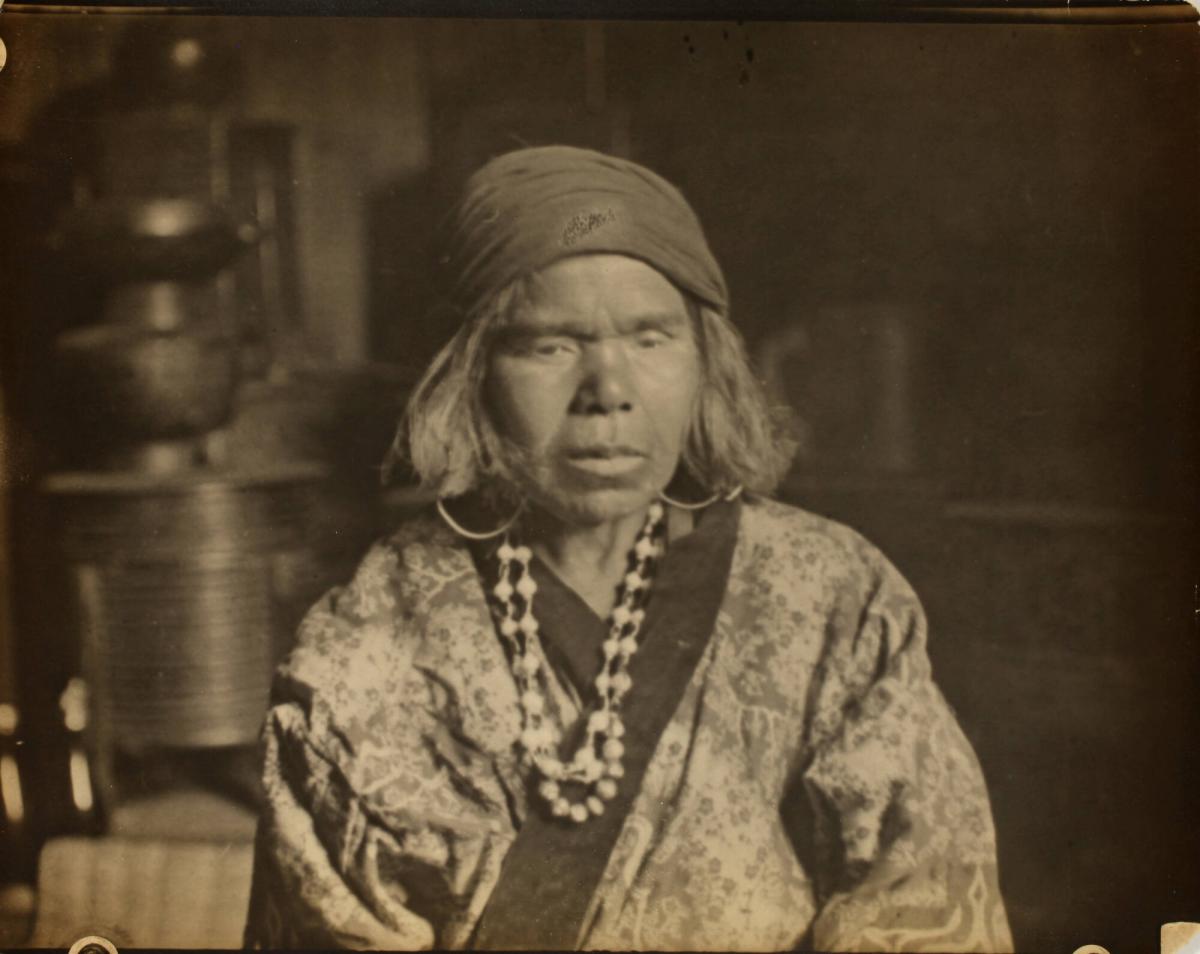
(592, 560)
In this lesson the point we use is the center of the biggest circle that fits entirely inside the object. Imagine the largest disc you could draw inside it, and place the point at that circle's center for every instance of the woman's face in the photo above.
(596, 381)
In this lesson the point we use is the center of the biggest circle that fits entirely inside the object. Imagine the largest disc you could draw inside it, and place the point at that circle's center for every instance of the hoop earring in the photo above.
(471, 534)
(732, 495)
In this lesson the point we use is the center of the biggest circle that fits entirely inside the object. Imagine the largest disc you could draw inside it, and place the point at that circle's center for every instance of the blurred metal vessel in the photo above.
(185, 589)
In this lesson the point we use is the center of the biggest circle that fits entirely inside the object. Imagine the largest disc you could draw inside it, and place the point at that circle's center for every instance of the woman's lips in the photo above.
(606, 461)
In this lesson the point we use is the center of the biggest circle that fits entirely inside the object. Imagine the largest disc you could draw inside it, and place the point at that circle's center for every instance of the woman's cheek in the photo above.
(533, 412)
(672, 389)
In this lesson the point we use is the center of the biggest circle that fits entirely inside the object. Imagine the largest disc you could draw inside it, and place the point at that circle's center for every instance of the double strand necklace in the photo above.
(597, 764)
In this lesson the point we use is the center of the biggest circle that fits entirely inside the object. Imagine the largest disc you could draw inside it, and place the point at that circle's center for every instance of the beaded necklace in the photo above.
(597, 764)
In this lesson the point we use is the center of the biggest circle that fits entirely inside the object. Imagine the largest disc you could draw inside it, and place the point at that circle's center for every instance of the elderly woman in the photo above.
(607, 694)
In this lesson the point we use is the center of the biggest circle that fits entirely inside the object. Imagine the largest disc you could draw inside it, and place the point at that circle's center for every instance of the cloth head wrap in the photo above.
(526, 209)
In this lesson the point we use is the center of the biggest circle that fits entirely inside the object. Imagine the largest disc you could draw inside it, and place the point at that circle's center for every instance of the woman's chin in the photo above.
(596, 505)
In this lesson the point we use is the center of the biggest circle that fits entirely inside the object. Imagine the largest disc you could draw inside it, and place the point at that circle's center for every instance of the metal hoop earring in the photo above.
(732, 495)
(471, 534)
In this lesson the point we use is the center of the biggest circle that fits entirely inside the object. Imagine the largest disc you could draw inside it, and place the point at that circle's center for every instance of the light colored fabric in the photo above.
(812, 781)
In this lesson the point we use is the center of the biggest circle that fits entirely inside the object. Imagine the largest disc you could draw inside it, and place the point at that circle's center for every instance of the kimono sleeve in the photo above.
(299, 899)
(319, 871)
(905, 845)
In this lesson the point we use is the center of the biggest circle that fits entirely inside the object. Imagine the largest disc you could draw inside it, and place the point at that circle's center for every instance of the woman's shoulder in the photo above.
(420, 556)
(371, 623)
(808, 559)
(784, 535)
(841, 583)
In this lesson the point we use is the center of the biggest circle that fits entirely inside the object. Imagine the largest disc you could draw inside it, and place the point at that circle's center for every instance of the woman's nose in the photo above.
(605, 386)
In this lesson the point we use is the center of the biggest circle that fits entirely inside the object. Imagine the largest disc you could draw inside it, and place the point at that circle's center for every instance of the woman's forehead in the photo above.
(600, 290)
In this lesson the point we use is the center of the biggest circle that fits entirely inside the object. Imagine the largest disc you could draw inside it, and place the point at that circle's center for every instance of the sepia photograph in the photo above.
(595, 477)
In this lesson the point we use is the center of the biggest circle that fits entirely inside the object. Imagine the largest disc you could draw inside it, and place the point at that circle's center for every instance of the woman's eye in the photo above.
(651, 339)
(550, 348)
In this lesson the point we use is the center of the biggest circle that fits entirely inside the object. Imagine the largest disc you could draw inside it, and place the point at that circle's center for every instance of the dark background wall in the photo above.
(969, 249)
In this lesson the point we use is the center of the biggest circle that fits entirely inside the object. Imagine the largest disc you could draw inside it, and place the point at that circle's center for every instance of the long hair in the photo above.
(448, 439)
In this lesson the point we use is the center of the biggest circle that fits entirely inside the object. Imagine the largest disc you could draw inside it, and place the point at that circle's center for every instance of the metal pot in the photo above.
(127, 385)
(130, 239)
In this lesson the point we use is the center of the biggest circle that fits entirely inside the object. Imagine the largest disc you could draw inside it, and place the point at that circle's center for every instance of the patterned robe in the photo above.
(812, 786)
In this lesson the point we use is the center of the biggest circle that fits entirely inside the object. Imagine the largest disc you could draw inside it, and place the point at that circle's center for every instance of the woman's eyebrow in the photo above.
(659, 321)
(520, 330)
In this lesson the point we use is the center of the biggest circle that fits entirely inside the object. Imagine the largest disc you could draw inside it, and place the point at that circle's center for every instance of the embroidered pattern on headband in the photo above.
(583, 224)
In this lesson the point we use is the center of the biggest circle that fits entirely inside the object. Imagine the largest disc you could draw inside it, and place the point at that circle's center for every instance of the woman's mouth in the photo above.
(605, 460)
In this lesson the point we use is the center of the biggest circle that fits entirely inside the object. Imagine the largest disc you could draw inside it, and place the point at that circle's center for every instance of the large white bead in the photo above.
(615, 770)
(622, 683)
(548, 790)
(603, 681)
(598, 722)
(579, 813)
(522, 554)
(526, 586)
(613, 750)
(528, 625)
(644, 548)
(586, 766)
(616, 727)
(505, 551)
(620, 614)
(628, 646)
(633, 582)
(533, 703)
(508, 626)
(560, 808)
(529, 665)
(606, 788)
(594, 805)
(503, 591)
(610, 647)
(584, 759)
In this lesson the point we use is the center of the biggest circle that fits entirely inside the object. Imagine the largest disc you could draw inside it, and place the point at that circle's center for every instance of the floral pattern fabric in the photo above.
(812, 785)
